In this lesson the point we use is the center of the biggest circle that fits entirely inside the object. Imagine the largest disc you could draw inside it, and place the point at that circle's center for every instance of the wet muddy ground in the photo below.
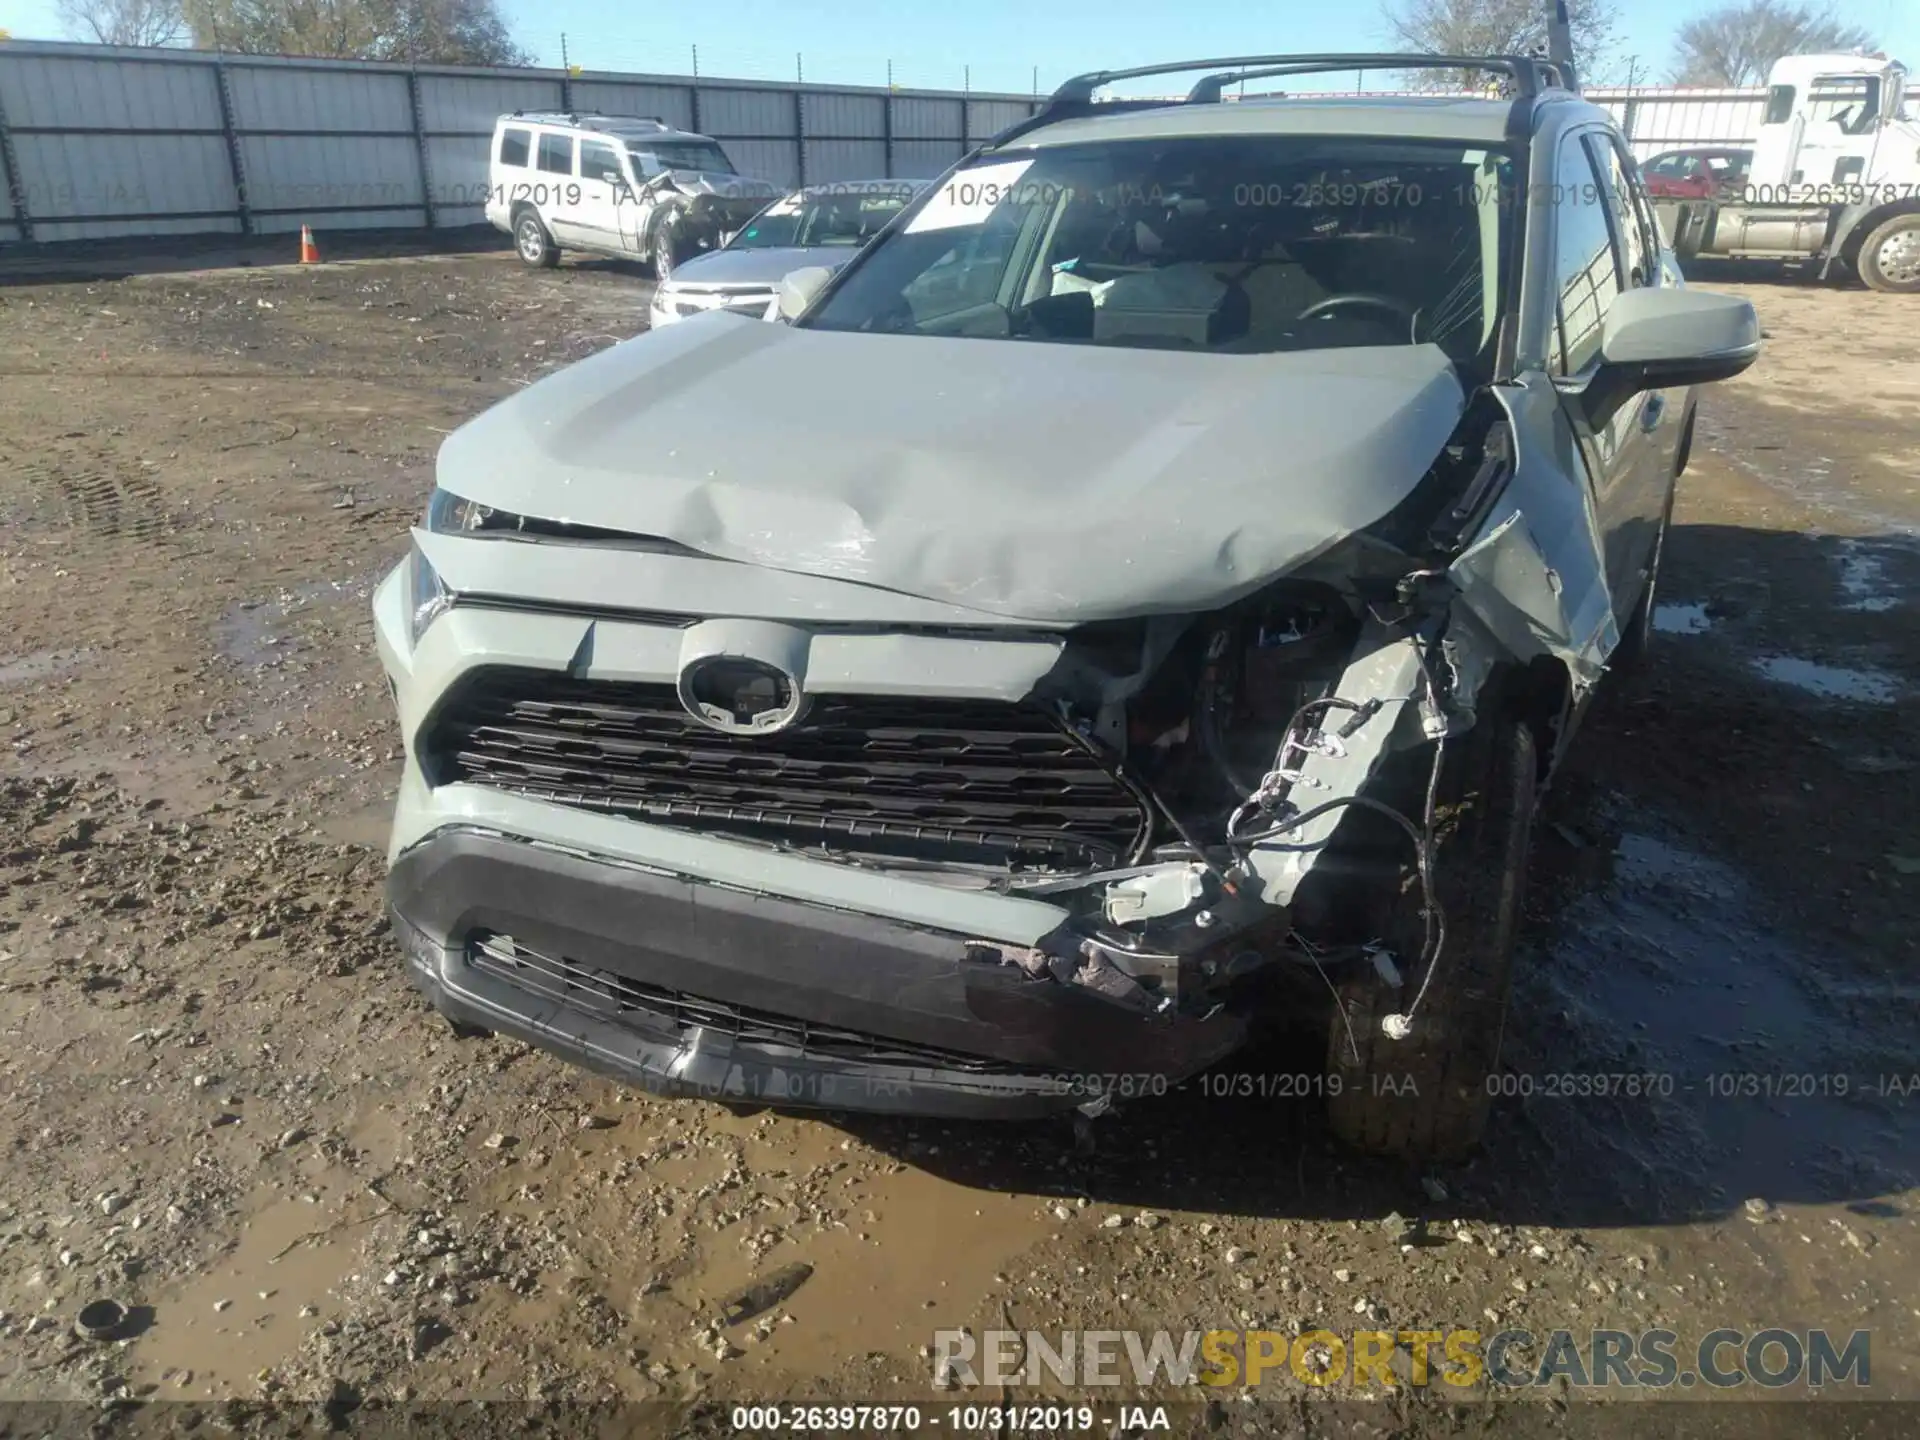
(223, 1107)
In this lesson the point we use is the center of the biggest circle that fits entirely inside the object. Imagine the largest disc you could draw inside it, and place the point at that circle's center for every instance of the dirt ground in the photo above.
(223, 1106)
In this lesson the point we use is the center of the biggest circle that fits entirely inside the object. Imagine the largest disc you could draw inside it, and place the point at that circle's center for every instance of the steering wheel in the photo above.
(1365, 300)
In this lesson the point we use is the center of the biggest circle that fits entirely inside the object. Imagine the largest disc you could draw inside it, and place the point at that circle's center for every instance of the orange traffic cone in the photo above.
(309, 252)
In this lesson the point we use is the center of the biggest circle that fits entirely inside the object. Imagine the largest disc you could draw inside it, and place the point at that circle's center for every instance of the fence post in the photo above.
(420, 147)
(887, 122)
(234, 162)
(800, 133)
(16, 187)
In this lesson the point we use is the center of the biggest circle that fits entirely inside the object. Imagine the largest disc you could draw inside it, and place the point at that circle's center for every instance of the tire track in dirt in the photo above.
(102, 497)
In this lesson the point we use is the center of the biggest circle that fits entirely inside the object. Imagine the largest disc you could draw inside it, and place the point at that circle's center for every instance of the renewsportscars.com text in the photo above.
(1771, 1359)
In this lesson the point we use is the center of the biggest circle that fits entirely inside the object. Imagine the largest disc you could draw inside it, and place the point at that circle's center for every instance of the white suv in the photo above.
(617, 185)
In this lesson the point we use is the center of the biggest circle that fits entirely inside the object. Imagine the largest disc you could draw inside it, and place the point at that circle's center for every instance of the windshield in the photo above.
(1239, 244)
(657, 155)
(809, 218)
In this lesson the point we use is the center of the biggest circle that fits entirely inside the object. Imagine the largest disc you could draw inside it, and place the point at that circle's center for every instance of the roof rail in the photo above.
(1530, 74)
(581, 117)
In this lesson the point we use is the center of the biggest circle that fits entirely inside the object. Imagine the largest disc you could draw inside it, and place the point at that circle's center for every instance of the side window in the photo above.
(514, 145)
(1632, 222)
(1779, 105)
(1586, 272)
(599, 162)
(556, 154)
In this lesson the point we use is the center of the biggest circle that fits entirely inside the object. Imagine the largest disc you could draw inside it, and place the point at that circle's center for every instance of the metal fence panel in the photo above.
(312, 174)
(923, 159)
(469, 104)
(75, 184)
(113, 141)
(671, 103)
(986, 118)
(846, 116)
(458, 169)
(103, 94)
(845, 160)
(775, 160)
(399, 218)
(745, 112)
(273, 98)
(923, 118)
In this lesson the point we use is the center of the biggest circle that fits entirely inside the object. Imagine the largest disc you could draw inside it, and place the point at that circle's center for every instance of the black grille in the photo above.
(966, 781)
(617, 998)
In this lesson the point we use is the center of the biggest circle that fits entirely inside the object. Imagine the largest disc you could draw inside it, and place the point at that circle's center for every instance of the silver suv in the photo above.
(1143, 593)
(619, 185)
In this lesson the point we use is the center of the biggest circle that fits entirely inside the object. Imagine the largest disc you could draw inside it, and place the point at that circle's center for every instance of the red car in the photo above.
(1696, 174)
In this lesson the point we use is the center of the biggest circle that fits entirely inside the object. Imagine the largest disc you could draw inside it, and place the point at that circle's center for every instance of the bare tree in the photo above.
(123, 22)
(445, 32)
(1737, 44)
(1499, 27)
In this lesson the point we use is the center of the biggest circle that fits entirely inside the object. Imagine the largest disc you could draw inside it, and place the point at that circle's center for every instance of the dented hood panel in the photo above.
(1034, 481)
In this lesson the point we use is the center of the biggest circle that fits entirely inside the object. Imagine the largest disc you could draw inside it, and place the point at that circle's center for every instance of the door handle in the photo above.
(1652, 412)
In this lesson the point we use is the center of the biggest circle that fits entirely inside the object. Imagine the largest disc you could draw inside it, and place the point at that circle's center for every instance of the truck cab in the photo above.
(1835, 177)
(1835, 120)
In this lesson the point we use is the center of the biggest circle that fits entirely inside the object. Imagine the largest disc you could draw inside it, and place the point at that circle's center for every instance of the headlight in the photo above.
(427, 595)
(451, 514)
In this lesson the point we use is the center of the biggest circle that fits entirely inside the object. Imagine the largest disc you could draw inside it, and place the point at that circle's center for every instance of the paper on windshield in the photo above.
(969, 196)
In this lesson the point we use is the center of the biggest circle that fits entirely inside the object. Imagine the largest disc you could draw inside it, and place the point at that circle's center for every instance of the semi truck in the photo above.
(1835, 178)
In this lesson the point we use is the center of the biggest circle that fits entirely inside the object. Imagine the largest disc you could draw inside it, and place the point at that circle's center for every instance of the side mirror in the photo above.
(798, 289)
(1664, 338)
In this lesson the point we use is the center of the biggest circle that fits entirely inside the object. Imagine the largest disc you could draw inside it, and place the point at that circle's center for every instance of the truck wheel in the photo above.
(1890, 259)
(532, 242)
(1425, 1098)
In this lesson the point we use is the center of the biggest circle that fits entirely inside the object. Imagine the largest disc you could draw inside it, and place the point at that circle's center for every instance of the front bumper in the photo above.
(697, 989)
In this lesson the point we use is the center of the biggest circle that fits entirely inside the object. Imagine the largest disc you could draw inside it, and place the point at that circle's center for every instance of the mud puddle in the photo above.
(1743, 1073)
(1831, 682)
(251, 1310)
(1678, 619)
(1864, 582)
(915, 1247)
(885, 1253)
(41, 665)
(256, 633)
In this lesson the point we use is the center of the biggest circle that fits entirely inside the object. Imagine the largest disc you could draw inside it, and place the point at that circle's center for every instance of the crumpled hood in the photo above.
(1044, 482)
(723, 183)
(751, 265)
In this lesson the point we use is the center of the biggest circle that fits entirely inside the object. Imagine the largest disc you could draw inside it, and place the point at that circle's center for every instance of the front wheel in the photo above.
(1425, 1097)
(667, 241)
(1636, 639)
(532, 242)
(1890, 258)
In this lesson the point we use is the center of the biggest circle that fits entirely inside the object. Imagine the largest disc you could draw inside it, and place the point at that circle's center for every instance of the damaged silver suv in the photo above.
(1144, 593)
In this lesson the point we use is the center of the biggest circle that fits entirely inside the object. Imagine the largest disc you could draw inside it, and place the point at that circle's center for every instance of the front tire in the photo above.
(1890, 259)
(532, 243)
(664, 253)
(1425, 1098)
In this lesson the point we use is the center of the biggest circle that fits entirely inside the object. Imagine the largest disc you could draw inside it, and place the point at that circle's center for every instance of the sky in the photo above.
(999, 44)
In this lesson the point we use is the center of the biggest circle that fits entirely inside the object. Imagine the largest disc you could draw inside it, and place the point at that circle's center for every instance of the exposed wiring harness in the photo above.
(1271, 794)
